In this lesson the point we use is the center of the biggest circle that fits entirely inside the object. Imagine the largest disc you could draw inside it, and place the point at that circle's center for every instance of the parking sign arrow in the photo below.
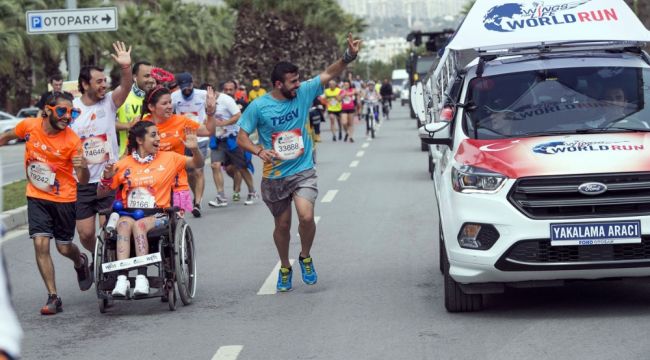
(107, 18)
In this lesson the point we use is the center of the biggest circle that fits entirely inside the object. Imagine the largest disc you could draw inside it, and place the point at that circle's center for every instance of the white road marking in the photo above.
(365, 145)
(268, 288)
(354, 163)
(344, 176)
(14, 234)
(230, 352)
(360, 153)
(329, 196)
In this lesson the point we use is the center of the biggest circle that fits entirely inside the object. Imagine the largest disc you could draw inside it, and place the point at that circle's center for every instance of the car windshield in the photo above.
(558, 101)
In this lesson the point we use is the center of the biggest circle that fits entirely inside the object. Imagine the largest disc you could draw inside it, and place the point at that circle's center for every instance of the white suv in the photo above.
(543, 169)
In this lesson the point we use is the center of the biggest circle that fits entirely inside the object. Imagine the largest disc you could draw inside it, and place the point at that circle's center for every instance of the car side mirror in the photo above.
(436, 133)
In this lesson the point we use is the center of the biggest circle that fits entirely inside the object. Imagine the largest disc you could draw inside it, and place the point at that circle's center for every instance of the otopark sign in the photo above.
(71, 20)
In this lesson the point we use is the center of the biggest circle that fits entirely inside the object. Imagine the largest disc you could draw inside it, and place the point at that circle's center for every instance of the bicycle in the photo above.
(371, 116)
(385, 107)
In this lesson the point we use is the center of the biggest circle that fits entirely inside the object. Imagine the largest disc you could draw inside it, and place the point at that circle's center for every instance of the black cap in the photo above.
(184, 80)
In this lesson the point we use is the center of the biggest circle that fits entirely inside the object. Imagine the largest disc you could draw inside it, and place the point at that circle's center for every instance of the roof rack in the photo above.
(559, 47)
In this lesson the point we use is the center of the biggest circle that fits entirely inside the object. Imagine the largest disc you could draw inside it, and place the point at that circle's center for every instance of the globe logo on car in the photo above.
(592, 188)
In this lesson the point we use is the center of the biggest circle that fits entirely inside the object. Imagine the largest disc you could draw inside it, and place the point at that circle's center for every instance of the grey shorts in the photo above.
(278, 193)
(226, 156)
(203, 148)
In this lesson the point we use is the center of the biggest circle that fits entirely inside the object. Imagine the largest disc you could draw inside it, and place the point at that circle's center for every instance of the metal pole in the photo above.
(73, 48)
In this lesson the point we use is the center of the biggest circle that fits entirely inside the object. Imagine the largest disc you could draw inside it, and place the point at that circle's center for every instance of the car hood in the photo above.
(559, 155)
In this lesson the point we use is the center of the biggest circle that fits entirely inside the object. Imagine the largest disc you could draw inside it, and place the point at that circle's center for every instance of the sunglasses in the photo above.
(62, 111)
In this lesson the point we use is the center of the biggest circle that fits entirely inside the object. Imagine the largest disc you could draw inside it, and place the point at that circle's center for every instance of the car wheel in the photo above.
(423, 146)
(455, 299)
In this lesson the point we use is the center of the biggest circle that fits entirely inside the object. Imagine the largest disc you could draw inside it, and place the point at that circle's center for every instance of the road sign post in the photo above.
(72, 21)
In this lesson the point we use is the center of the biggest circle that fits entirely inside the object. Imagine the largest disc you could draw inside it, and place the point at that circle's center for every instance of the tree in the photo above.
(309, 33)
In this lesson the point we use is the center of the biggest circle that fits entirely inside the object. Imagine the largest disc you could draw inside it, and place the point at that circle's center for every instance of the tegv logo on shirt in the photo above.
(279, 120)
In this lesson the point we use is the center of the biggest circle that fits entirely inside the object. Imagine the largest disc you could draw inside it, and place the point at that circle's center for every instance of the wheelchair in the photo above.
(171, 254)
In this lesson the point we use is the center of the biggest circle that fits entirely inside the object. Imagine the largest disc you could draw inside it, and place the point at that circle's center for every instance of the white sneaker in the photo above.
(250, 200)
(141, 285)
(122, 286)
(218, 202)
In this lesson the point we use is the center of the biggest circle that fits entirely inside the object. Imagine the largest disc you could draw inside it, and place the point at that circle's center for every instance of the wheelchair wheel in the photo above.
(103, 304)
(185, 262)
(171, 294)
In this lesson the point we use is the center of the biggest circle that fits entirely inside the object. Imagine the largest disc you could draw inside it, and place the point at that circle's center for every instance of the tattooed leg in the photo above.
(124, 227)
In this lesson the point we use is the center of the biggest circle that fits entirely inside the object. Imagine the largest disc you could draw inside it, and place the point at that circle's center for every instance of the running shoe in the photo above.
(122, 286)
(236, 196)
(84, 277)
(218, 202)
(309, 275)
(334, 138)
(351, 140)
(250, 200)
(345, 139)
(141, 285)
(196, 211)
(52, 306)
(284, 279)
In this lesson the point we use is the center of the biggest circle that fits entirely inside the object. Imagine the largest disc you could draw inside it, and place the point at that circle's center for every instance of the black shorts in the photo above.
(87, 202)
(348, 111)
(51, 219)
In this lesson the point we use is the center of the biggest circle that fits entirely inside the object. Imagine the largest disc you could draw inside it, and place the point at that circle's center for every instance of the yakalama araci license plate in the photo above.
(597, 233)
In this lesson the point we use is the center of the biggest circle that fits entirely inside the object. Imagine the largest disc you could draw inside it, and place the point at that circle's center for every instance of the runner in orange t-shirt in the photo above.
(146, 178)
(157, 108)
(52, 152)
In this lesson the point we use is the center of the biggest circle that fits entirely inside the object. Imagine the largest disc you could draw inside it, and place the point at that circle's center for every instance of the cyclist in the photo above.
(146, 177)
(157, 108)
(371, 102)
(386, 92)
(52, 152)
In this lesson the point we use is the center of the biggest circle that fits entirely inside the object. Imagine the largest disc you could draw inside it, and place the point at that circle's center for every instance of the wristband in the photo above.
(347, 57)
(259, 152)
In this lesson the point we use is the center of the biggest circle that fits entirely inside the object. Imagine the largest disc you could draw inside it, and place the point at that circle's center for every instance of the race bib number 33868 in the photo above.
(288, 144)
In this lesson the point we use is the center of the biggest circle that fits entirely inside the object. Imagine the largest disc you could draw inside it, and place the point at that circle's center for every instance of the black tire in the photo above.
(455, 299)
(431, 166)
(185, 262)
(171, 295)
(441, 246)
(423, 146)
(103, 304)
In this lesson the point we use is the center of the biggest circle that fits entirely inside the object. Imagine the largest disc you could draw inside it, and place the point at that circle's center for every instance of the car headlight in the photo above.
(472, 179)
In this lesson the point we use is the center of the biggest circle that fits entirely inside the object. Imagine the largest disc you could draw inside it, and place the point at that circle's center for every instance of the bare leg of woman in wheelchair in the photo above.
(125, 228)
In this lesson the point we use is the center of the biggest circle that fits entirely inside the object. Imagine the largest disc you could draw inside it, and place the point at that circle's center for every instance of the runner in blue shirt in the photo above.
(280, 117)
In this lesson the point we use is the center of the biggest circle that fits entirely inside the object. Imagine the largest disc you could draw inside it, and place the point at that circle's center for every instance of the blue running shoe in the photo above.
(309, 275)
(284, 279)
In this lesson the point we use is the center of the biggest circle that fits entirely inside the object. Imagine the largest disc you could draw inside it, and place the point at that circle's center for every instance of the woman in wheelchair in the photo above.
(146, 177)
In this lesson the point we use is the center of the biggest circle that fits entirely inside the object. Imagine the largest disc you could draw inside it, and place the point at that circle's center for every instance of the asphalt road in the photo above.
(379, 294)
(12, 160)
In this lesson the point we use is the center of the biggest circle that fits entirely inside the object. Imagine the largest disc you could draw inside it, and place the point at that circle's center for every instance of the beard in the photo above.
(287, 94)
(55, 123)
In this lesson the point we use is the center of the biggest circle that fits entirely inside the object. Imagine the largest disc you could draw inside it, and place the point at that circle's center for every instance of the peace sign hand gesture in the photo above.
(353, 45)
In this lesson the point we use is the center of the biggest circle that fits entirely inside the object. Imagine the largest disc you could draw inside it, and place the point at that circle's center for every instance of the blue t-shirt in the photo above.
(284, 119)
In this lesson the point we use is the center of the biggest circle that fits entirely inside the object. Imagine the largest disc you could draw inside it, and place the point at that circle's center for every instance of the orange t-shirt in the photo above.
(48, 161)
(148, 185)
(172, 135)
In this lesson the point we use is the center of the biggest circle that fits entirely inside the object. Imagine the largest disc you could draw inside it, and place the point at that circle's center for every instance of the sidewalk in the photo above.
(12, 219)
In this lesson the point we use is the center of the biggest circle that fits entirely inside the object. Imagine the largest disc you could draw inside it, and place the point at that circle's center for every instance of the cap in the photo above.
(184, 80)
(256, 82)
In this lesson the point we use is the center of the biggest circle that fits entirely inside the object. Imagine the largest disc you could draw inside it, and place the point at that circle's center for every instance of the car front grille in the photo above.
(557, 197)
(540, 255)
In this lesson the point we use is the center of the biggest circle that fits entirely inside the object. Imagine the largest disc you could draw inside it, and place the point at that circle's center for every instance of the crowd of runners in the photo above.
(144, 144)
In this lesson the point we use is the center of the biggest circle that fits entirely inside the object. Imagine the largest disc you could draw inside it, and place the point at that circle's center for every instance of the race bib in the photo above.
(288, 144)
(333, 102)
(41, 175)
(97, 149)
(347, 100)
(193, 116)
(219, 131)
(141, 198)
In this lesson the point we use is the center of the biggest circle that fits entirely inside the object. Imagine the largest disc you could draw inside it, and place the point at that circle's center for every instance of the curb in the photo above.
(14, 218)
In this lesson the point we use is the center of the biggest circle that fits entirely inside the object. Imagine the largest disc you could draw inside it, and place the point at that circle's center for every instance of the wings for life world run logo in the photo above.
(561, 147)
(513, 16)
